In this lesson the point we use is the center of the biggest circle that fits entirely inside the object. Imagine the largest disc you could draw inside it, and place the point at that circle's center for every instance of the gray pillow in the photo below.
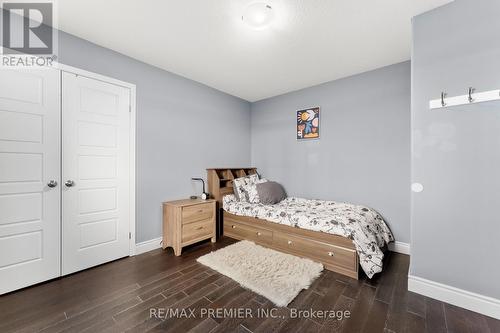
(270, 193)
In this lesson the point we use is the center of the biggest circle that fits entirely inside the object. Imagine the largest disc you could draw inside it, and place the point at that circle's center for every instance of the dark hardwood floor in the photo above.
(118, 296)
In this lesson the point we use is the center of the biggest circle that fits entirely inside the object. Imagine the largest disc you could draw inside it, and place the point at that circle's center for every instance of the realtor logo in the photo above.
(28, 33)
(27, 28)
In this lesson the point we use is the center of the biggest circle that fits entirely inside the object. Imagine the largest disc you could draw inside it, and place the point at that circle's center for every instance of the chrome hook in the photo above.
(471, 91)
(443, 95)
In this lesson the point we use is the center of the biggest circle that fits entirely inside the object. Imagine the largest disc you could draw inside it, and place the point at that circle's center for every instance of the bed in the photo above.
(341, 236)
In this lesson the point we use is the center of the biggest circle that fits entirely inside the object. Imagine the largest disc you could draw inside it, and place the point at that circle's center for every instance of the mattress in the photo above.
(363, 225)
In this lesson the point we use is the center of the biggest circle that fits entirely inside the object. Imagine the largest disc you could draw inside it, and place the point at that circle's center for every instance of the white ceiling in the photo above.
(308, 43)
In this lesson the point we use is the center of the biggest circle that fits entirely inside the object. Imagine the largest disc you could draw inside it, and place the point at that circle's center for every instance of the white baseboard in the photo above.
(147, 246)
(465, 299)
(400, 247)
(155, 243)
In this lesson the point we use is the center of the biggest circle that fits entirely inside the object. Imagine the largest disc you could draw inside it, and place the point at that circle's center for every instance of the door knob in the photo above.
(52, 183)
(69, 183)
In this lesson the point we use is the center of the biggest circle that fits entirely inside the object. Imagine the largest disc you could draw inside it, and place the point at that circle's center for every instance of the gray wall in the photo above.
(456, 152)
(363, 155)
(183, 127)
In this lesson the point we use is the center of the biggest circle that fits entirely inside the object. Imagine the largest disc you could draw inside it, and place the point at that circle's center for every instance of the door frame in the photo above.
(132, 144)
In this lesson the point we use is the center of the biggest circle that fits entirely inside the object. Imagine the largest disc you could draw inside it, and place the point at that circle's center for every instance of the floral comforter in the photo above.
(363, 225)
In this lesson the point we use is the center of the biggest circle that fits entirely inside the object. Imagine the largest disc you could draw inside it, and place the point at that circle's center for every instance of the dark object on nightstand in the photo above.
(204, 195)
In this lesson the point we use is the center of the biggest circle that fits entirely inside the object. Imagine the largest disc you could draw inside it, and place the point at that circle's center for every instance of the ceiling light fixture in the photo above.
(258, 15)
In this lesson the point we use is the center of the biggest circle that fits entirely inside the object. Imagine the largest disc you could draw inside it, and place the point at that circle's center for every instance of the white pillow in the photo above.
(251, 191)
(239, 186)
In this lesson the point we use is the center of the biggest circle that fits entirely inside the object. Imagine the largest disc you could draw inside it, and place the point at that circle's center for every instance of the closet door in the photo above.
(30, 160)
(96, 172)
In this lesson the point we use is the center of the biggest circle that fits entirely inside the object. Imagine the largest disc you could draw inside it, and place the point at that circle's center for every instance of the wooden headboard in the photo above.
(220, 180)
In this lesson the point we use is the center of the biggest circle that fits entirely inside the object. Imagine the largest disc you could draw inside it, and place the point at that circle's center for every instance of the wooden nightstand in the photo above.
(188, 221)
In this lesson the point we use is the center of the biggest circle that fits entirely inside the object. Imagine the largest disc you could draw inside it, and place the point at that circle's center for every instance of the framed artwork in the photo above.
(308, 124)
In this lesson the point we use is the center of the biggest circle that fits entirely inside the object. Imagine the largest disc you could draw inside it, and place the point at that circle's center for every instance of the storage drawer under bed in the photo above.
(245, 231)
(309, 248)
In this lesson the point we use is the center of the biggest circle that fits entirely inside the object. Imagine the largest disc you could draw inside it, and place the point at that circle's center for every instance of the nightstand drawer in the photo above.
(196, 213)
(197, 230)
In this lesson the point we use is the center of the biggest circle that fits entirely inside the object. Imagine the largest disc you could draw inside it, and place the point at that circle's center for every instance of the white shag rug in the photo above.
(275, 275)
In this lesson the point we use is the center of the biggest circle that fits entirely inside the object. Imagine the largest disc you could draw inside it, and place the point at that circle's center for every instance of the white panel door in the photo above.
(96, 172)
(30, 158)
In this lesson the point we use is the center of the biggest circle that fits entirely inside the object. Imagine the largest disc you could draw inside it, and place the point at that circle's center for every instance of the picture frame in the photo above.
(308, 124)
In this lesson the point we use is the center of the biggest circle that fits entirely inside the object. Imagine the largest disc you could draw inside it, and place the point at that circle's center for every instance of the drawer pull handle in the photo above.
(200, 211)
(199, 228)
(331, 254)
(289, 242)
(233, 226)
(258, 234)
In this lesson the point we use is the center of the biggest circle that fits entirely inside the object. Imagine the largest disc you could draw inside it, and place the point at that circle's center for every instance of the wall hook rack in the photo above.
(470, 98)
